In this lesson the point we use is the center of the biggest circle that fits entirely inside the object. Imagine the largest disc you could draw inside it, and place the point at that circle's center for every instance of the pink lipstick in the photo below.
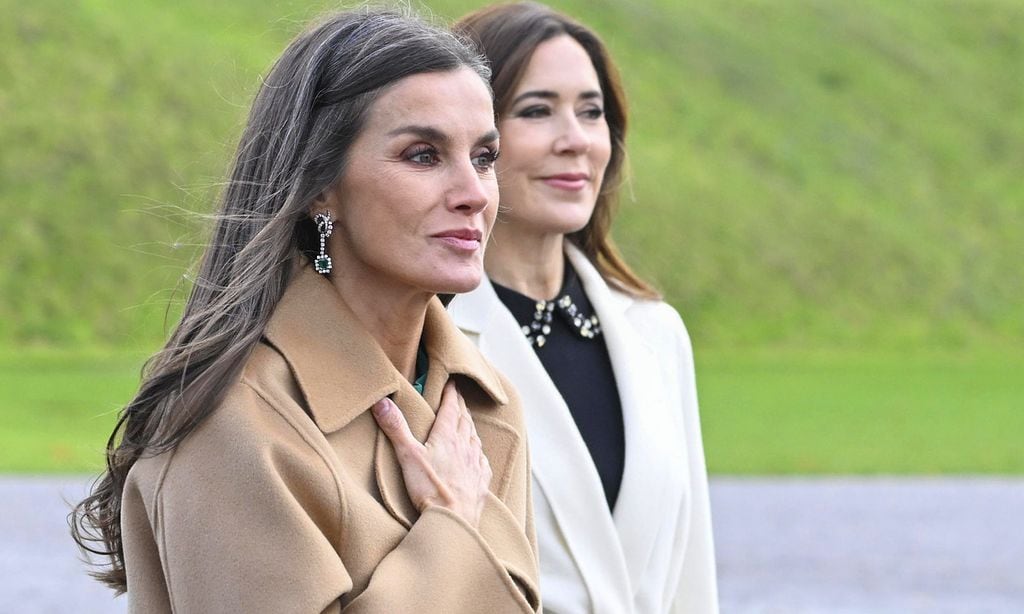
(571, 182)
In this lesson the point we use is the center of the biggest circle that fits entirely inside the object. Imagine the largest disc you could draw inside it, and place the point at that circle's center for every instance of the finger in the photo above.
(477, 448)
(472, 424)
(447, 419)
(393, 423)
(461, 401)
(485, 471)
(465, 425)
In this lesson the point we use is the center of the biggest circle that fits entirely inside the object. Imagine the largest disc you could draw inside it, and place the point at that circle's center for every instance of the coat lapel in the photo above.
(561, 463)
(652, 455)
(342, 372)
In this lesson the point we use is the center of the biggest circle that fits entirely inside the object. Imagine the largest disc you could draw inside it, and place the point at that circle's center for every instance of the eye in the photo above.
(593, 113)
(534, 112)
(422, 154)
(485, 160)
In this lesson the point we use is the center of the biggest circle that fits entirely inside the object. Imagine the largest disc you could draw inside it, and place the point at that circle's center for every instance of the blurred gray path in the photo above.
(876, 545)
(785, 545)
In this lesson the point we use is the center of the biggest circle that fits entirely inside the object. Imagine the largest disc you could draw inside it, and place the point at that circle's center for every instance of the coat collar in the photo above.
(593, 284)
(341, 369)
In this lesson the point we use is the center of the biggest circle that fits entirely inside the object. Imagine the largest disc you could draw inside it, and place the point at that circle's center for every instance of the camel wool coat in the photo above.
(288, 497)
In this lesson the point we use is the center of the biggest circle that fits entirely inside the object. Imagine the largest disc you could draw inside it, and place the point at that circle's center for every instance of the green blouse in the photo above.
(421, 370)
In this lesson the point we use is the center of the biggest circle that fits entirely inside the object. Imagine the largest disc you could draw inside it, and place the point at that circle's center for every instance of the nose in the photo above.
(469, 191)
(573, 139)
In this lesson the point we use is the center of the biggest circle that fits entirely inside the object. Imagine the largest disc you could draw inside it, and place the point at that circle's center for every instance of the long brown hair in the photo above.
(508, 34)
(305, 117)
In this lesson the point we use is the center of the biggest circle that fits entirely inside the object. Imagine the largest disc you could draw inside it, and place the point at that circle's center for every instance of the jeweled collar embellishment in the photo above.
(538, 330)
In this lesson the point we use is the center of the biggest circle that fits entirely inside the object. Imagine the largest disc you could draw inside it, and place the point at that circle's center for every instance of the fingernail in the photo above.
(380, 408)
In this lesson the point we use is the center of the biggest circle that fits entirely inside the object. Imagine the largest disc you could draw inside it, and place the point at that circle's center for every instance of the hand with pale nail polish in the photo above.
(450, 470)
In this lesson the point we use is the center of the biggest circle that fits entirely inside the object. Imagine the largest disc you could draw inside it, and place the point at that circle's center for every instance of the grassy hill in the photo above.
(806, 173)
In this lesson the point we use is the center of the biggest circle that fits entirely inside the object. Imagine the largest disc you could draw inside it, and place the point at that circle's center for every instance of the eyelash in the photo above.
(420, 151)
(488, 157)
(534, 112)
(593, 113)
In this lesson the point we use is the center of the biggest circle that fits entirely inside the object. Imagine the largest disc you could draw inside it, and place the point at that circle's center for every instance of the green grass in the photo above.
(865, 413)
(813, 172)
(785, 412)
(57, 409)
(805, 174)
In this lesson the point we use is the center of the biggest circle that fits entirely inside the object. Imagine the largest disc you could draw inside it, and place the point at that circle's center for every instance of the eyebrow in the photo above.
(429, 133)
(552, 95)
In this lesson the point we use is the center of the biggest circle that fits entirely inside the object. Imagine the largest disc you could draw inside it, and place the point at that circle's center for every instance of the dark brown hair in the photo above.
(308, 112)
(507, 35)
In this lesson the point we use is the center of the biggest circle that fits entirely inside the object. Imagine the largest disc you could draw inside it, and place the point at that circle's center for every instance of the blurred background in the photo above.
(830, 193)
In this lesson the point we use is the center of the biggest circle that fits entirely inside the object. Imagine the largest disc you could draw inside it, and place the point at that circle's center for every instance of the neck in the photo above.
(393, 314)
(530, 264)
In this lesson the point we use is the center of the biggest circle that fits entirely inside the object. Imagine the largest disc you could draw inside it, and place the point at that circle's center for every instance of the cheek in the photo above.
(507, 166)
(392, 213)
(518, 150)
(374, 226)
(491, 213)
(512, 181)
(602, 149)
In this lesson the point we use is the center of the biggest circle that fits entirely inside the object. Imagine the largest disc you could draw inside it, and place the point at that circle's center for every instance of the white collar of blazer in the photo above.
(611, 550)
(342, 371)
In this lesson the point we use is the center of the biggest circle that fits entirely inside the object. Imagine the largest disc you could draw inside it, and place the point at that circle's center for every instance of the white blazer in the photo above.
(655, 554)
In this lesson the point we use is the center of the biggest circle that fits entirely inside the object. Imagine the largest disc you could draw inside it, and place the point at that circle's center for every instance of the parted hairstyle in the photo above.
(306, 115)
(507, 35)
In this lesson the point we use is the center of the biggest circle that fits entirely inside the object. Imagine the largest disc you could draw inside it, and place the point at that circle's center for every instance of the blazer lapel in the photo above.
(651, 452)
(561, 464)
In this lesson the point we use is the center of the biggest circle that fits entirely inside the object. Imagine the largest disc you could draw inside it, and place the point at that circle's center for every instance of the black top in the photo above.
(582, 372)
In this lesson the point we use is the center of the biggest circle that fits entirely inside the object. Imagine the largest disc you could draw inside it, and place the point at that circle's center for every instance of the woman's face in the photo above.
(417, 200)
(555, 143)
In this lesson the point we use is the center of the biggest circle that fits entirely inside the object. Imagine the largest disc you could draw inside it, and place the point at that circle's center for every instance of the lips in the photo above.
(461, 239)
(466, 234)
(572, 182)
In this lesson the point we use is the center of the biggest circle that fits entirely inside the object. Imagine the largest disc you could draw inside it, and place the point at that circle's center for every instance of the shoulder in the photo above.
(652, 319)
(659, 322)
(263, 409)
(257, 436)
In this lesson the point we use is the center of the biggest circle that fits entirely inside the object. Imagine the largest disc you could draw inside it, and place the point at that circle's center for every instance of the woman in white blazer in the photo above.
(604, 367)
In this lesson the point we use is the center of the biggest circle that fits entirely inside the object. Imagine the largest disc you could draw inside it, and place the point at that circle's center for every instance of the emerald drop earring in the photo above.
(322, 263)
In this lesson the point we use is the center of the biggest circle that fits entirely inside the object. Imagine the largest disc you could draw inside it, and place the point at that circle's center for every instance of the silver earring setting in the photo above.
(322, 263)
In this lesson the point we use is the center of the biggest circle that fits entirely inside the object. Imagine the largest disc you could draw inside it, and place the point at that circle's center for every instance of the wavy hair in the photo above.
(507, 35)
(306, 115)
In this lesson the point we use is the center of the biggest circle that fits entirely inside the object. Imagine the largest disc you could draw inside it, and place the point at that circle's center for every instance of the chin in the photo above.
(459, 284)
(569, 226)
(462, 287)
(568, 221)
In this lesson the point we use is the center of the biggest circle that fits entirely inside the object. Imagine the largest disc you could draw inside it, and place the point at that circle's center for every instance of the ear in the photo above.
(326, 202)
